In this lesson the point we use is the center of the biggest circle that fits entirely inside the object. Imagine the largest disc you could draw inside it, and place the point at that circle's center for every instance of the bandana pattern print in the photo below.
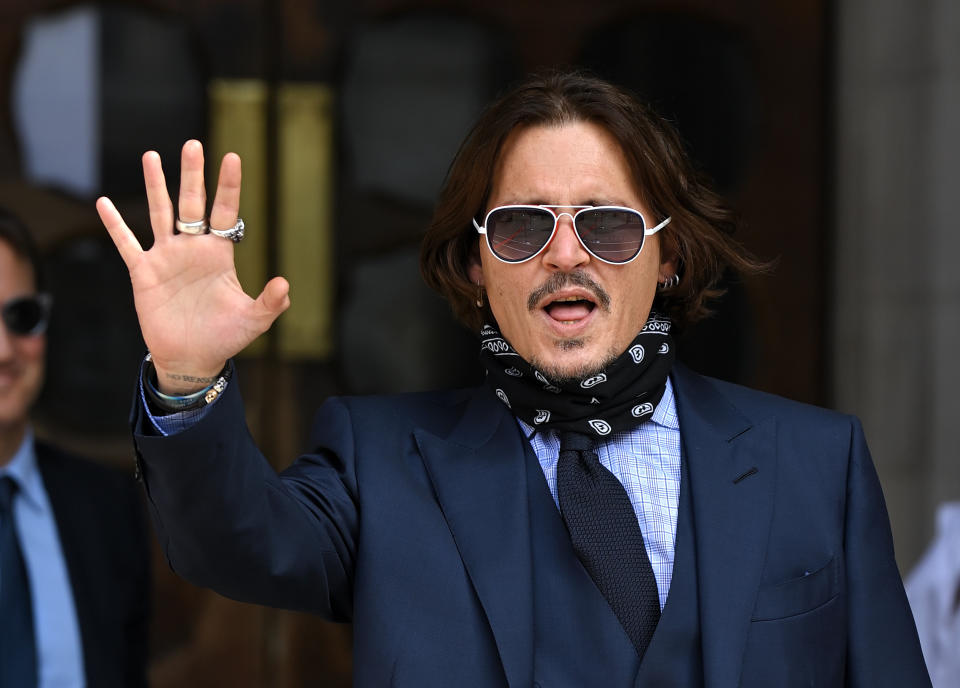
(618, 398)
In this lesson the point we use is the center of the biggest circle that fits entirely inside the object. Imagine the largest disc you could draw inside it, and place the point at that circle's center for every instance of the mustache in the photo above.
(559, 280)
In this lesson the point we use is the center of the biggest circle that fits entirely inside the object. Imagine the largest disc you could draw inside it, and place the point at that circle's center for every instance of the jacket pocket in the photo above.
(798, 595)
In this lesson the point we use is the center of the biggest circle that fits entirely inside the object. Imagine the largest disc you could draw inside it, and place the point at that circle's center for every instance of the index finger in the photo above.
(158, 198)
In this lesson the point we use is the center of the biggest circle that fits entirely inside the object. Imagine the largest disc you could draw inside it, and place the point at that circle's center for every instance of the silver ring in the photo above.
(234, 234)
(198, 227)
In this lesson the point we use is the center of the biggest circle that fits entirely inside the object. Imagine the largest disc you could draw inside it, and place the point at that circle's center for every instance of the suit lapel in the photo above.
(732, 464)
(479, 477)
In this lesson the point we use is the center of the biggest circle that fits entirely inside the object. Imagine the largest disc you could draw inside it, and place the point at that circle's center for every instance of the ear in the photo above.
(668, 267)
(475, 268)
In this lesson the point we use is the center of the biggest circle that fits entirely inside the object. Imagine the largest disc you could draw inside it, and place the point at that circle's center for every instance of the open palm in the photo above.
(193, 313)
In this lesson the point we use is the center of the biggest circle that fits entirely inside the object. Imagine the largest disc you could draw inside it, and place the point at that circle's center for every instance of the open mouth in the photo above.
(569, 310)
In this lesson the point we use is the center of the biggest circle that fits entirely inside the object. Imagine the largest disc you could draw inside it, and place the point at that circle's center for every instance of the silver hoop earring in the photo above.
(671, 282)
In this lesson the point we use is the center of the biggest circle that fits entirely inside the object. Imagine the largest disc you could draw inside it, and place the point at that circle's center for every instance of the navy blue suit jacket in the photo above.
(409, 517)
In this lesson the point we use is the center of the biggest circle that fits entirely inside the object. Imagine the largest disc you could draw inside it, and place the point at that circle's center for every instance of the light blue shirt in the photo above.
(59, 648)
(647, 461)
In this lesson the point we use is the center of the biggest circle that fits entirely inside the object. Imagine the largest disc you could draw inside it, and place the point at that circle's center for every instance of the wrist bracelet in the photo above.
(176, 404)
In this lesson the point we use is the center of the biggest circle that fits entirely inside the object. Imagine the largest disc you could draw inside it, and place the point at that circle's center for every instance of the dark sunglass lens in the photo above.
(515, 234)
(25, 316)
(611, 234)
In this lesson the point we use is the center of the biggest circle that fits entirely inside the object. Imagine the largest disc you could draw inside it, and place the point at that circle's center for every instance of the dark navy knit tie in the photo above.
(607, 538)
(18, 654)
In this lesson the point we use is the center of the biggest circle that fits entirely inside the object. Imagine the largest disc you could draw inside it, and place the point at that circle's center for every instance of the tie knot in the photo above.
(8, 488)
(575, 441)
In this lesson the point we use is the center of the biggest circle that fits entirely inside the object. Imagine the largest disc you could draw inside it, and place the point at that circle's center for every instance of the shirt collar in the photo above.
(666, 411)
(665, 415)
(24, 470)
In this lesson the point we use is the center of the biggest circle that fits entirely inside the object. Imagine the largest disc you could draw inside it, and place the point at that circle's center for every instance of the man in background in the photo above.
(74, 565)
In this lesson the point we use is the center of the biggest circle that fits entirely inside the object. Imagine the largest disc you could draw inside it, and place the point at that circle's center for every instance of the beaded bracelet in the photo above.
(189, 402)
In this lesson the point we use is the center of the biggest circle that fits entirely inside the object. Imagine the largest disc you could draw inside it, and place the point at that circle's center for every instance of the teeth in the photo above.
(568, 299)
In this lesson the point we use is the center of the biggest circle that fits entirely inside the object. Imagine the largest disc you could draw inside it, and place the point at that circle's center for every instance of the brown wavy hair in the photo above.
(699, 235)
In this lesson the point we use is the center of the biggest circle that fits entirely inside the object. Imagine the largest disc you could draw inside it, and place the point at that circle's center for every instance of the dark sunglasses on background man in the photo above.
(26, 315)
(612, 234)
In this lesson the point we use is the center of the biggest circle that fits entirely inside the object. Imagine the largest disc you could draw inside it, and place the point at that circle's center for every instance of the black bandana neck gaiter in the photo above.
(619, 398)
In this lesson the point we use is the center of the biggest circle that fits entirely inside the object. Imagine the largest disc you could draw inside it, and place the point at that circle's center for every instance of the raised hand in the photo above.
(193, 313)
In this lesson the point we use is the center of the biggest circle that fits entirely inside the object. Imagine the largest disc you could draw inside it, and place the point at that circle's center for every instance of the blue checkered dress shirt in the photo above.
(647, 461)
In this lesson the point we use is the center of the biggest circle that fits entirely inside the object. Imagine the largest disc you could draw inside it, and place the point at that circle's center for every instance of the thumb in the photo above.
(274, 299)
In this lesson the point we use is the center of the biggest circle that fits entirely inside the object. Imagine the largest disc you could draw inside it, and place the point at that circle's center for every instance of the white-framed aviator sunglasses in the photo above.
(610, 233)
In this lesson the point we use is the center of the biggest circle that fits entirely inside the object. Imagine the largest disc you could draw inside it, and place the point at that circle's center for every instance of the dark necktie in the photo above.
(607, 538)
(18, 654)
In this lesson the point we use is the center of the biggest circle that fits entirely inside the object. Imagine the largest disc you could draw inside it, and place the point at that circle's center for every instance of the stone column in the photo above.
(896, 276)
